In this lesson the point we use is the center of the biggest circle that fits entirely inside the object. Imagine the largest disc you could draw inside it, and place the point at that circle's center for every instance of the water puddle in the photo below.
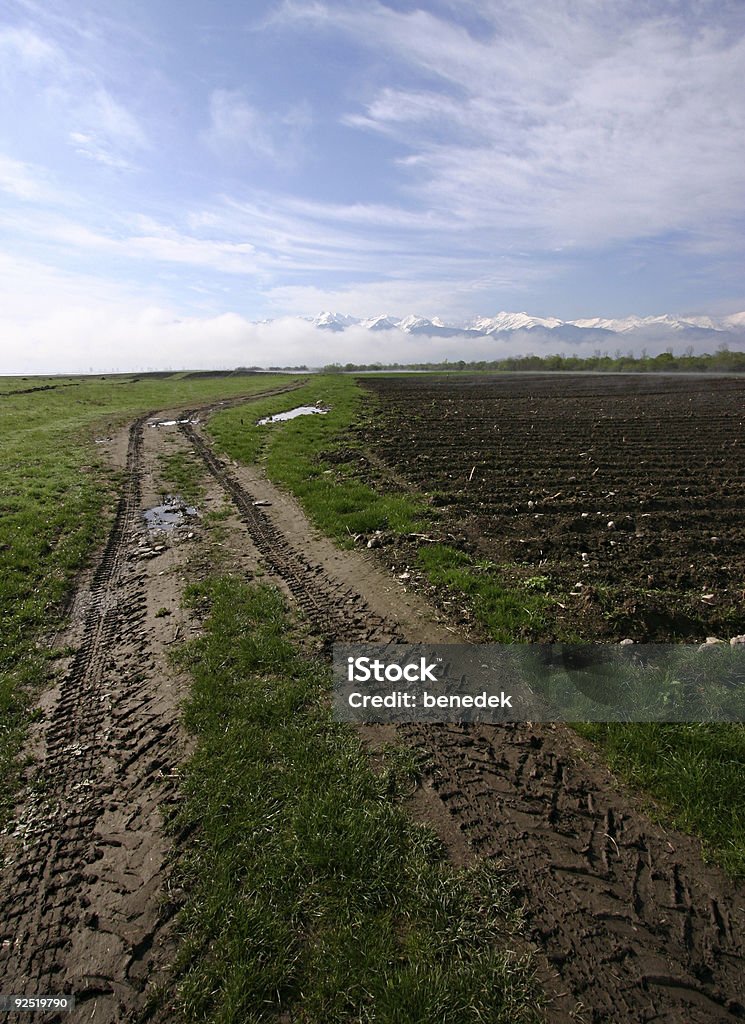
(291, 414)
(166, 423)
(173, 512)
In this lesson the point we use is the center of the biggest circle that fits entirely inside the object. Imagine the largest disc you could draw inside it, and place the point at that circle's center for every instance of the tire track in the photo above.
(634, 925)
(78, 908)
(335, 611)
(635, 928)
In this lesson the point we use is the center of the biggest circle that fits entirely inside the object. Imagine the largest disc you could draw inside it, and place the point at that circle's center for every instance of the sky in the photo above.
(172, 172)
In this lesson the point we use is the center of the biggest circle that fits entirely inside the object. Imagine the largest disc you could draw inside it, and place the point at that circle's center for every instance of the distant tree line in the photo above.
(722, 361)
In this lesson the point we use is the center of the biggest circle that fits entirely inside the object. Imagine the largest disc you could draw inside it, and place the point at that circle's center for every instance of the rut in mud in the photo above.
(82, 905)
(79, 906)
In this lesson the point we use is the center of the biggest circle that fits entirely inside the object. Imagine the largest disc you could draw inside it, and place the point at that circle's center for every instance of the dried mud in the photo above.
(628, 923)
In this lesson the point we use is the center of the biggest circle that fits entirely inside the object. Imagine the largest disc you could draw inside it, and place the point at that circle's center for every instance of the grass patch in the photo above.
(507, 615)
(696, 771)
(293, 454)
(308, 889)
(181, 471)
(57, 495)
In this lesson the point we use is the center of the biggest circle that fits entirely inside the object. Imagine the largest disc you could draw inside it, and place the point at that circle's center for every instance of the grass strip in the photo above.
(310, 894)
(296, 456)
(182, 472)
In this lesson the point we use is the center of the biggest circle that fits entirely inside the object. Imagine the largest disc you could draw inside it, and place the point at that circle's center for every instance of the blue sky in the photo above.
(172, 171)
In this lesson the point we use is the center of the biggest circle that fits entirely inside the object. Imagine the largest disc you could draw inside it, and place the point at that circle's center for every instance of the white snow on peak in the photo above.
(511, 322)
(410, 322)
(506, 322)
(734, 322)
(379, 323)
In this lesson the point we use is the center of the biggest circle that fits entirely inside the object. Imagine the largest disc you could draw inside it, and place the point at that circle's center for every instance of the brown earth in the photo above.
(623, 494)
(628, 923)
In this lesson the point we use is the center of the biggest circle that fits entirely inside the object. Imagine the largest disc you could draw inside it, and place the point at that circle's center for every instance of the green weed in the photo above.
(506, 614)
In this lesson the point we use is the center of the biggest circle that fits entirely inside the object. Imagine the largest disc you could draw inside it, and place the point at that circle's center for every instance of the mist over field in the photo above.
(104, 342)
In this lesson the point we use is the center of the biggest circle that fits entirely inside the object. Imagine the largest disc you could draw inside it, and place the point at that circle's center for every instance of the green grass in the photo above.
(507, 614)
(57, 496)
(696, 772)
(308, 888)
(182, 472)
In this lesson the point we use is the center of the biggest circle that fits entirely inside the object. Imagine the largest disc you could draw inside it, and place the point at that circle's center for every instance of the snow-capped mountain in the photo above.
(718, 329)
(511, 322)
(333, 321)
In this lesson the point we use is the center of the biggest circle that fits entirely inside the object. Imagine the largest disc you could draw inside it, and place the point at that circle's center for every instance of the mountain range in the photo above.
(719, 330)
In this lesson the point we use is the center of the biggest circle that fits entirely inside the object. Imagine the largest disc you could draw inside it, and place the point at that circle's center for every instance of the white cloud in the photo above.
(142, 239)
(235, 125)
(23, 181)
(106, 131)
(71, 94)
(238, 129)
(27, 47)
(444, 297)
(582, 126)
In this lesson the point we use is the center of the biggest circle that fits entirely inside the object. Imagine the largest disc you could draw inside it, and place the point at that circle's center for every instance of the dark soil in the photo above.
(625, 493)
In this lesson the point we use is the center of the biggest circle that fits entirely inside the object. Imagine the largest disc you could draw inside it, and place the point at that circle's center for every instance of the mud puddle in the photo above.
(291, 414)
(171, 513)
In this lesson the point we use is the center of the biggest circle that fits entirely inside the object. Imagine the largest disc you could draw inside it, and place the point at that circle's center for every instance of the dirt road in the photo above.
(629, 925)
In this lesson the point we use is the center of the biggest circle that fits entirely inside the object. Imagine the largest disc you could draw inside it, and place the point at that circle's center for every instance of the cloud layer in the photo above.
(449, 159)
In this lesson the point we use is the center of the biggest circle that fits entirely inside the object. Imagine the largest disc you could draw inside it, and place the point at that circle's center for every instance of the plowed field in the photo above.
(622, 494)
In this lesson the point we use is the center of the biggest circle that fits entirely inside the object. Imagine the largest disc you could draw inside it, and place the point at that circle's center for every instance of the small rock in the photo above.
(625, 642)
(611, 525)
(735, 640)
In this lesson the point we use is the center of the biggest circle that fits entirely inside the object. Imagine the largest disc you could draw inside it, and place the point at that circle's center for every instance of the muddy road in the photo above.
(627, 922)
